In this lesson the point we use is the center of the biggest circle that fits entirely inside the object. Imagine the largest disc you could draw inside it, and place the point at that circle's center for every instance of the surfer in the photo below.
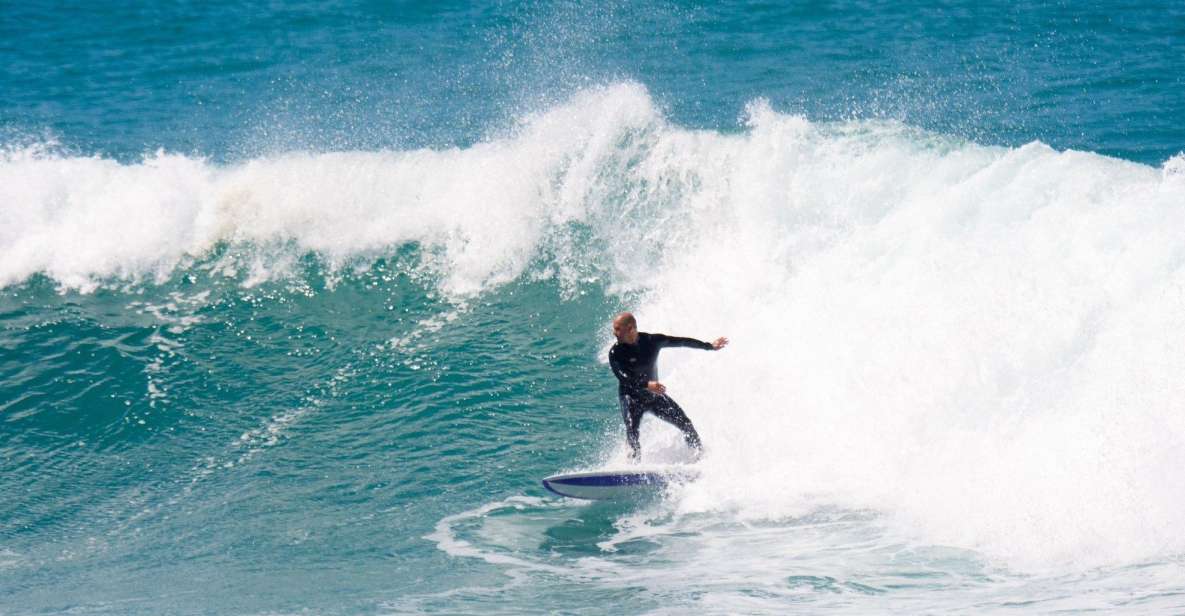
(633, 361)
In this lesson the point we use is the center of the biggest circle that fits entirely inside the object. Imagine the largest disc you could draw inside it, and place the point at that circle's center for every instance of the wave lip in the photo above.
(482, 210)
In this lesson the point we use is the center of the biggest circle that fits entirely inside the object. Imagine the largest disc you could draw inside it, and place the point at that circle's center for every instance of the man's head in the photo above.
(625, 328)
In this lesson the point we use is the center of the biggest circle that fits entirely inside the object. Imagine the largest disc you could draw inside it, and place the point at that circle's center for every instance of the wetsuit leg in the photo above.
(669, 411)
(631, 413)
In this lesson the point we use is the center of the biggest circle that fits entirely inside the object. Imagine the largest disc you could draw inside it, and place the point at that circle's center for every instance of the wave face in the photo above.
(949, 360)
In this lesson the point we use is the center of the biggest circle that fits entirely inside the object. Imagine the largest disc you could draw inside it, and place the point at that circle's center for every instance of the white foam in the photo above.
(982, 343)
(447, 539)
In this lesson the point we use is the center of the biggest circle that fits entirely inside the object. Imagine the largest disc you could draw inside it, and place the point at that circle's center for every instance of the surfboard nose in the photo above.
(614, 484)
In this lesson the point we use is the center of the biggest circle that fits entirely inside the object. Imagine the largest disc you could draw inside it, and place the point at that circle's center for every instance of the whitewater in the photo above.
(954, 382)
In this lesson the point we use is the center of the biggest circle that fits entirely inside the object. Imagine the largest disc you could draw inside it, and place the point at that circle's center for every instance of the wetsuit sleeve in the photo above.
(630, 382)
(675, 341)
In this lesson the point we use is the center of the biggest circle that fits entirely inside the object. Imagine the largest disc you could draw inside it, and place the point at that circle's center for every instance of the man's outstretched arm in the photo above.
(676, 341)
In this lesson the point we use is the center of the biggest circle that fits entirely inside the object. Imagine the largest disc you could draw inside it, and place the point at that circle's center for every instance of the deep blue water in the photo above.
(298, 303)
(228, 81)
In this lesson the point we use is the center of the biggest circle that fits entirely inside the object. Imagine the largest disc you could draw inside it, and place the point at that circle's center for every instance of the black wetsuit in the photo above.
(634, 367)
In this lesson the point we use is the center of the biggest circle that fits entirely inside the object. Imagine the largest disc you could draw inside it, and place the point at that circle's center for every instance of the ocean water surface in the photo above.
(298, 303)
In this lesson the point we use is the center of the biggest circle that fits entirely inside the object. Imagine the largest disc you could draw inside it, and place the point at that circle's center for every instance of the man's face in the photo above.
(625, 331)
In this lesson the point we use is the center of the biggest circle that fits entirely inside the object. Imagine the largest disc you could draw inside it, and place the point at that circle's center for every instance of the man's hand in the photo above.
(656, 387)
(719, 343)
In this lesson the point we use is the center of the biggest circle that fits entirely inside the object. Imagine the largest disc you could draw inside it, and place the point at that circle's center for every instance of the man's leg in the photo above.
(631, 414)
(669, 411)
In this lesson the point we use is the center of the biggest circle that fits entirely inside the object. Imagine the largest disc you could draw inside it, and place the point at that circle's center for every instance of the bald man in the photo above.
(633, 361)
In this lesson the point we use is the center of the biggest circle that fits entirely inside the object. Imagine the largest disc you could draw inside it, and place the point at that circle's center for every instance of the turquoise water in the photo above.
(299, 302)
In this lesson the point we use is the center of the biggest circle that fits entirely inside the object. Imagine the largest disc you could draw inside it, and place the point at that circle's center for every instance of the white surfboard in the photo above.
(617, 484)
